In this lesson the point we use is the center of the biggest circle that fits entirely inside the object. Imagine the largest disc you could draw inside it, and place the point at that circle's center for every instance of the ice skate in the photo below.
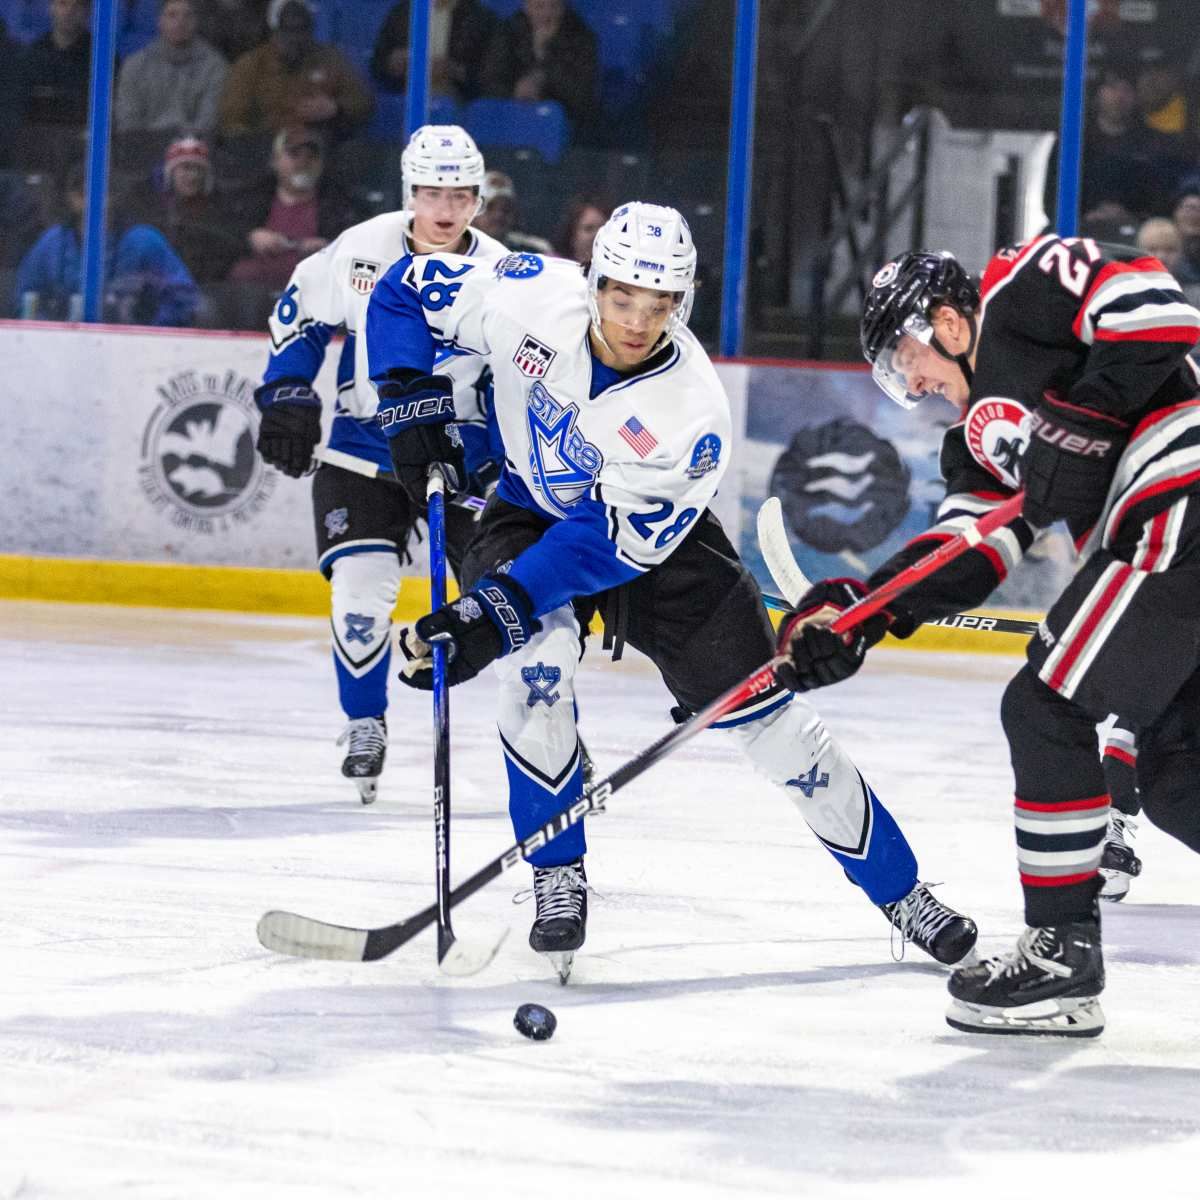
(921, 918)
(1049, 985)
(1119, 864)
(364, 756)
(560, 926)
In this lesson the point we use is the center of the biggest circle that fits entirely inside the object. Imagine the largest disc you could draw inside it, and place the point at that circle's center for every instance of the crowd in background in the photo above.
(243, 139)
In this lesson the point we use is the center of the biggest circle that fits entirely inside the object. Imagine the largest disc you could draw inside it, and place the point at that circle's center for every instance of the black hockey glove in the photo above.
(485, 624)
(417, 415)
(818, 656)
(1068, 464)
(290, 427)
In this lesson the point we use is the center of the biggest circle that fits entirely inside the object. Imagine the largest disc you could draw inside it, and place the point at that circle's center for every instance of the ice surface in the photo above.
(735, 1027)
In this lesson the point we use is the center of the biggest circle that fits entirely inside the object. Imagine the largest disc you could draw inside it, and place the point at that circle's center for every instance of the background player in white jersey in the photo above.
(363, 525)
(617, 432)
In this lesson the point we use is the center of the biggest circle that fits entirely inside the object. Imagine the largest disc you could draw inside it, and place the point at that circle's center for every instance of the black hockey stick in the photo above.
(306, 937)
(454, 956)
(791, 580)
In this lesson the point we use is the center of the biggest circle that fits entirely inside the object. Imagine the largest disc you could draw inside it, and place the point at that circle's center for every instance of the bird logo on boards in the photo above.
(997, 432)
(199, 467)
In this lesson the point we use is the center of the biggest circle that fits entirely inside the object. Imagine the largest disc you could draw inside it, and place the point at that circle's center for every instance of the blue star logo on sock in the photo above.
(810, 782)
(541, 679)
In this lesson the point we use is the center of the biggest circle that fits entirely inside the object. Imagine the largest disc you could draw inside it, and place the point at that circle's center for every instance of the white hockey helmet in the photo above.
(650, 246)
(442, 156)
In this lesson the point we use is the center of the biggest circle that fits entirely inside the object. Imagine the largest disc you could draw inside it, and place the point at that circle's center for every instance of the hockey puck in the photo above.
(535, 1022)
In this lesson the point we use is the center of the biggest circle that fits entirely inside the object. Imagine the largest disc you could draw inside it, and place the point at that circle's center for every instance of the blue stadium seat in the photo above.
(354, 26)
(503, 8)
(27, 20)
(387, 125)
(541, 126)
(137, 24)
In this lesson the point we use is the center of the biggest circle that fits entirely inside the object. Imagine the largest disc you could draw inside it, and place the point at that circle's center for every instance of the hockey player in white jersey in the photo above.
(363, 525)
(617, 433)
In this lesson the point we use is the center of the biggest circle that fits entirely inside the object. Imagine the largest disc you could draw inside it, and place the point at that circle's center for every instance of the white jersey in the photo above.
(331, 289)
(635, 458)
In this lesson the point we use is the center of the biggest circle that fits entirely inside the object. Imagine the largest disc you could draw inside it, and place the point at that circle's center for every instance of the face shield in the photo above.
(899, 360)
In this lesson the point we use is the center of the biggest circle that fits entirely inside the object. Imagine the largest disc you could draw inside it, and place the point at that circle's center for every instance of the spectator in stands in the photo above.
(233, 26)
(545, 52)
(12, 100)
(175, 82)
(459, 34)
(57, 67)
(1164, 108)
(293, 79)
(1122, 158)
(499, 216)
(1160, 237)
(1186, 214)
(189, 213)
(296, 214)
(21, 215)
(146, 283)
(581, 222)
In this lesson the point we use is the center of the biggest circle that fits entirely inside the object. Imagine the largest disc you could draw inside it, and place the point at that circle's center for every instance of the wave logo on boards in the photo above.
(997, 432)
(198, 463)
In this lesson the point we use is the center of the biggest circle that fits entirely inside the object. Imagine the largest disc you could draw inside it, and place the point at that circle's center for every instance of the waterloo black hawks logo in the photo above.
(533, 358)
(199, 466)
(364, 275)
(997, 432)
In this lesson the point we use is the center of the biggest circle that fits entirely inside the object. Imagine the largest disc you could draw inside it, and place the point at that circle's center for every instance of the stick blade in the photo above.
(469, 958)
(305, 937)
(777, 551)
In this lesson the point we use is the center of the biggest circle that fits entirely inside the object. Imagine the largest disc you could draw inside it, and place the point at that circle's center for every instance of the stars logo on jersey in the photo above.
(519, 266)
(364, 275)
(562, 464)
(997, 432)
(706, 455)
(541, 681)
(533, 358)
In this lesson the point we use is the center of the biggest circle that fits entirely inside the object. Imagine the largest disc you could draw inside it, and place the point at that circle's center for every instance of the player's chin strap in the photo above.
(962, 360)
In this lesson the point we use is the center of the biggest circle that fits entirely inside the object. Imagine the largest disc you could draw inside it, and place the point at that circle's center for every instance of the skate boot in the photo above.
(1050, 984)
(364, 756)
(589, 767)
(560, 925)
(1119, 863)
(921, 918)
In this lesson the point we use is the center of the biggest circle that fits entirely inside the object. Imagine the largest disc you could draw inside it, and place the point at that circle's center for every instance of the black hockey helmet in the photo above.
(903, 295)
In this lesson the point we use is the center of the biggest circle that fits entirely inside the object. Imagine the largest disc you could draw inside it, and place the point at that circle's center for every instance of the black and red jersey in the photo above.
(1104, 330)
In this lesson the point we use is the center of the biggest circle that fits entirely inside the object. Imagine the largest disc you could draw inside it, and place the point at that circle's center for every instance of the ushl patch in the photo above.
(533, 358)
(364, 275)
(997, 432)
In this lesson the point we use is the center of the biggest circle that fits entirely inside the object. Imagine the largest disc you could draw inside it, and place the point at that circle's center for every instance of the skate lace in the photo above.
(366, 735)
(918, 917)
(558, 891)
(1032, 948)
(1121, 829)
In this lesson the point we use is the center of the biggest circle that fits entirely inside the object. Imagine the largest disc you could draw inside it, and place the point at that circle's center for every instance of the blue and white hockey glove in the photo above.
(818, 657)
(485, 624)
(290, 427)
(416, 412)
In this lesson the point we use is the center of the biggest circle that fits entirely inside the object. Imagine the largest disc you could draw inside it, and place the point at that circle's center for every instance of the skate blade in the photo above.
(561, 961)
(1064, 1017)
(368, 790)
(1116, 885)
(469, 957)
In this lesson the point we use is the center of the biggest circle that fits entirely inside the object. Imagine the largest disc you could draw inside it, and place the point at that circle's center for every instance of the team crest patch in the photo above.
(364, 275)
(706, 455)
(468, 608)
(519, 266)
(533, 358)
(886, 274)
(337, 521)
(997, 432)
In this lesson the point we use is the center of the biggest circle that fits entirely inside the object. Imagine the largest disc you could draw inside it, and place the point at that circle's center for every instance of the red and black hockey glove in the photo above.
(1069, 463)
(492, 620)
(817, 656)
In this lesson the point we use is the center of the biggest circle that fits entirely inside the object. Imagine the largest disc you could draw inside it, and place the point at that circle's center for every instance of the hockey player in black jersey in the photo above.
(1079, 351)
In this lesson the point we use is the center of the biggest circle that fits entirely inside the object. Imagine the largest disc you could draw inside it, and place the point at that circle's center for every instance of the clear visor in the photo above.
(897, 363)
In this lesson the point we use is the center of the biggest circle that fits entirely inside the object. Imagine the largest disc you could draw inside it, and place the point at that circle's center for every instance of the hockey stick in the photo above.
(364, 466)
(454, 957)
(306, 937)
(792, 582)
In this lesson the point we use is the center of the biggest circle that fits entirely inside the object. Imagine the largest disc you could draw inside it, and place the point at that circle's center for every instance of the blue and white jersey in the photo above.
(624, 465)
(330, 290)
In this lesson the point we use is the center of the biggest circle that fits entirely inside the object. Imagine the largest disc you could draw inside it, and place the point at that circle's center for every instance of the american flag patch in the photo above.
(638, 436)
